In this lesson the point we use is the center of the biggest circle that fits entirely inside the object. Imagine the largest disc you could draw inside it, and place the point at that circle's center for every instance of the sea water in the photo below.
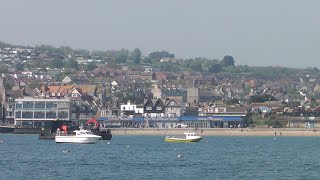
(149, 157)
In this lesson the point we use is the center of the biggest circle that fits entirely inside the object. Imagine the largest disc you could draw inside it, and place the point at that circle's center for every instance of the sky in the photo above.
(255, 32)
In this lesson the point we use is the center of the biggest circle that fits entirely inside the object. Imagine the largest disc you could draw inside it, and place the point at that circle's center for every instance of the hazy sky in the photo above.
(254, 32)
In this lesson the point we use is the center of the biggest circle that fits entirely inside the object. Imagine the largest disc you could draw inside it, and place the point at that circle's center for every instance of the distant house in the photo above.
(58, 91)
(157, 92)
(316, 88)
(130, 109)
(89, 89)
(154, 108)
(173, 109)
(67, 79)
(193, 96)
(133, 74)
(75, 94)
(9, 104)
(159, 76)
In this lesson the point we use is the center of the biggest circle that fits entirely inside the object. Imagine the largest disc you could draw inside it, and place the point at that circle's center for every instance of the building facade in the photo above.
(35, 112)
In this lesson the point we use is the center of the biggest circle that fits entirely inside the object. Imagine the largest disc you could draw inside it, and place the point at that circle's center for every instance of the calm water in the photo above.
(148, 157)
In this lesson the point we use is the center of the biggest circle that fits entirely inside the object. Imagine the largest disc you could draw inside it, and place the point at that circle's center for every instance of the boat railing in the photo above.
(63, 133)
(175, 136)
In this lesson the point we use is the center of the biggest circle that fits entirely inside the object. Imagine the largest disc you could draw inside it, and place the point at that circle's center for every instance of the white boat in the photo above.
(188, 137)
(80, 136)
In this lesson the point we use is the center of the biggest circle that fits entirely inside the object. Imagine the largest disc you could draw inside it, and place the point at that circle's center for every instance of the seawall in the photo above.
(222, 132)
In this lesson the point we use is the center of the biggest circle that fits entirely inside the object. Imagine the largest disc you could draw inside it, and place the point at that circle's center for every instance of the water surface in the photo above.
(149, 157)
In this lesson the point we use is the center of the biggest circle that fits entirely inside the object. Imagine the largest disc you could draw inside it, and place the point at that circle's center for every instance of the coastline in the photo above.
(221, 132)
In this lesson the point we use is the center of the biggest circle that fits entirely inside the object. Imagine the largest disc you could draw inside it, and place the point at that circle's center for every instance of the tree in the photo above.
(215, 68)
(159, 55)
(122, 56)
(19, 66)
(136, 56)
(3, 69)
(91, 66)
(66, 50)
(56, 63)
(261, 98)
(72, 64)
(196, 66)
(146, 60)
(34, 84)
(247, 120)
(7, 85)
(228, 61)
(232, 101)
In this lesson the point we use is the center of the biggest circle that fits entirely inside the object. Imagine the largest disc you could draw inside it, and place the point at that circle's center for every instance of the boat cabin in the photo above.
(82, 132)
(190, 135)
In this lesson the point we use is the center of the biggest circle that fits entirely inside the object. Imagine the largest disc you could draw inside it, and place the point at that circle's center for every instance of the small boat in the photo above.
(188, 137)
(80, 136)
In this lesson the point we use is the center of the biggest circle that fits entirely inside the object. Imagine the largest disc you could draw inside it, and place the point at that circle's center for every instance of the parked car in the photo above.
(181, 125)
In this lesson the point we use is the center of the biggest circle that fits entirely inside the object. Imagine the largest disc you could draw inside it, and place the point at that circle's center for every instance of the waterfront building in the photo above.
(130, 109)
(173, 109)
(154, 108)
(9, 104)
(32, 112)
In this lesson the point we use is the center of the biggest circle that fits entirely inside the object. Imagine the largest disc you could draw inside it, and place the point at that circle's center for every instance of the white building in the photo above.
(130, 109)
(35, 112)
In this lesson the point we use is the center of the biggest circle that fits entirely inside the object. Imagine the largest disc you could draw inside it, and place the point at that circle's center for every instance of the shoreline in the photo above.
(221, 132)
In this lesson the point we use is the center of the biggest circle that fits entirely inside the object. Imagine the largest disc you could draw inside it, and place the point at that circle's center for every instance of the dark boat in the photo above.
(105, 135)
(50, 130)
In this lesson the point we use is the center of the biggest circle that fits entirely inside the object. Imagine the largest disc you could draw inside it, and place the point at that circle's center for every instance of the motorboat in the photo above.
(188, 137)
(79, 136)
(52, 129)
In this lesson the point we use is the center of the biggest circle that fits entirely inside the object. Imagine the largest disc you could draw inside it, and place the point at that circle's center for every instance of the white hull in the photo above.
(189, 137)
(77, 139)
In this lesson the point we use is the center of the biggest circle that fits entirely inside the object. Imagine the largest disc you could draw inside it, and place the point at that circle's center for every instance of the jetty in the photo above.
(6, 128)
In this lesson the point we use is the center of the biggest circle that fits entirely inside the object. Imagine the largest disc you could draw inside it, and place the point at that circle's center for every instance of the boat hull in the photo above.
(77, 139)
(182, 140)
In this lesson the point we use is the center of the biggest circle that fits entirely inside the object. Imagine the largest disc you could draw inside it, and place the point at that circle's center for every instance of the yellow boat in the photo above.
(188, 137)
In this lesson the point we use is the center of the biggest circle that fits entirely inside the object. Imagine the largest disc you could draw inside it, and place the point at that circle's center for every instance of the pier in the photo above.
(6, 128)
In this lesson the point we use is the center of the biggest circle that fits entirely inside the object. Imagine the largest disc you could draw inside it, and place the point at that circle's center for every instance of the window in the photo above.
(18, 106)
(18, 114)
(159, 108)
(63, 115)
(10, 106)
(149, 108)
(74, 95)
(27, 114)
(51, 115)
(28, 105)
(39, 105)
(38, 115)
(51, 105)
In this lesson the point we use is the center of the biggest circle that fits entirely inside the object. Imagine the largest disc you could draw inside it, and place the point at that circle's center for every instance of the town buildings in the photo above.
(142, 96)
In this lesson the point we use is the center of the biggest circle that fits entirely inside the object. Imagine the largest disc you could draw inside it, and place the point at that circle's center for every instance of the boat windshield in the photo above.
(83, 132)
(190, 134)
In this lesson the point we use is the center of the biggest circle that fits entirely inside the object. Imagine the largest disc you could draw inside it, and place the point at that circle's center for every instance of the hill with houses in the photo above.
(109, 83)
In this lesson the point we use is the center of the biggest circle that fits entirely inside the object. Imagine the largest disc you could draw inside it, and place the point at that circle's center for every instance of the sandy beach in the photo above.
(222, 132)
